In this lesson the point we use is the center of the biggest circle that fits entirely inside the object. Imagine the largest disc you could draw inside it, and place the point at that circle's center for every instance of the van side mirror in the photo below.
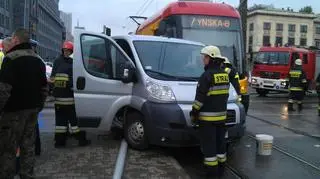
(129, 72)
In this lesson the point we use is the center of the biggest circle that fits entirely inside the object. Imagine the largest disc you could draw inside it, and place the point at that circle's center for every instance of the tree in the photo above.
(306, 9)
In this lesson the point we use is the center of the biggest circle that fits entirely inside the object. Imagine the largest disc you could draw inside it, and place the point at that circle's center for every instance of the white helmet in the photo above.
(298, 62)
(226, 60)
(212, 51)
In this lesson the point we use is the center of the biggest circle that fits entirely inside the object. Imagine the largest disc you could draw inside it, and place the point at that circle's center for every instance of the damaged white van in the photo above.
(145, 85)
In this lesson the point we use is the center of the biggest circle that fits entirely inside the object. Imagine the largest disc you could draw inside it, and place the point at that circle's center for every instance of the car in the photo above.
(144, 85)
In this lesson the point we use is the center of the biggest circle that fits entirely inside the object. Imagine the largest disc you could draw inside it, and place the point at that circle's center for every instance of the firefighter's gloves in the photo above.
(194, 115)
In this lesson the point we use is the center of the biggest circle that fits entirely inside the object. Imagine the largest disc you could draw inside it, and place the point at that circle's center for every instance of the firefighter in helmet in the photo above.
(64, 100)
(297, 85)
(209, 110)
(233, 76)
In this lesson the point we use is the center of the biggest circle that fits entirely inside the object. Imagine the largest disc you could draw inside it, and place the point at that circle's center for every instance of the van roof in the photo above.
(156, 38)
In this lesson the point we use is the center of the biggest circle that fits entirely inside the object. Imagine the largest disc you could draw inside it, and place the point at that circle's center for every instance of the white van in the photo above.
(143, 84)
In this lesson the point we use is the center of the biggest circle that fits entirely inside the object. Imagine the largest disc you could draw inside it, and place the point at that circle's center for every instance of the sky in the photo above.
(94, 14)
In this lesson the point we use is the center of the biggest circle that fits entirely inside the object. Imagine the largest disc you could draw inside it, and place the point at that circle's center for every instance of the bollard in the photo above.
(118, 171)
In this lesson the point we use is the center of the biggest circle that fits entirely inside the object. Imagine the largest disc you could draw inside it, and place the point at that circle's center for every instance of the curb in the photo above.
(118, 171)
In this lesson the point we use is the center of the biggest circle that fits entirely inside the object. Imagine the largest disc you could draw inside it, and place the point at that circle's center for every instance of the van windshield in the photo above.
(170, 61)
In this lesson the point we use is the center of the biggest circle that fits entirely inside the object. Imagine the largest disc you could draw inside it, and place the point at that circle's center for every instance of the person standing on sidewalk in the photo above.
(64, 100)
(22, 84)
(209, 111)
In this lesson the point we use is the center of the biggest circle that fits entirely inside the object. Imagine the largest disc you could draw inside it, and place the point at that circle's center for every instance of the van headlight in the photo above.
(160, 92)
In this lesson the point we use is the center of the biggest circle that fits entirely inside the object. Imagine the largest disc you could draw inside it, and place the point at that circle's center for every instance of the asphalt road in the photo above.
(295, 153)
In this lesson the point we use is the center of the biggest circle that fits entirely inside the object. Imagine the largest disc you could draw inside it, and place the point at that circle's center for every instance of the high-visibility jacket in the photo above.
(63, 82)
(297, 80)
(1, 58)
(233, 77)
(212, 95)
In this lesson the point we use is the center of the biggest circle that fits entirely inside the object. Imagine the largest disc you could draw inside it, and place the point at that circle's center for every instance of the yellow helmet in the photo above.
(212, 51)
(298, 62)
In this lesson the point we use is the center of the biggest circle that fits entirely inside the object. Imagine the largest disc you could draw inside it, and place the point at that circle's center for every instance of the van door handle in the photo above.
(81, 83)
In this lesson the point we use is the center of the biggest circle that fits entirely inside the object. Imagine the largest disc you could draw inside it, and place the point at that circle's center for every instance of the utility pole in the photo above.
(243, 8)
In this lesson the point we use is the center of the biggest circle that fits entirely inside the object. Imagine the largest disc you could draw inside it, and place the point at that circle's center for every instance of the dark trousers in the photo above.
(65, 114)
(37, 141)
(318, 103)
(296, 97)
(213, 144)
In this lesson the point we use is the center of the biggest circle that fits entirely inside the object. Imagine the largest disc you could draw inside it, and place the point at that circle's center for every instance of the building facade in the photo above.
(50, 29)
(274, 27)
(67, 20)
(5, 18)
(317, 32)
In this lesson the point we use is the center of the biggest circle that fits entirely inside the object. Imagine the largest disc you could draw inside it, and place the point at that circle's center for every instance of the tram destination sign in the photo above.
(210, 22)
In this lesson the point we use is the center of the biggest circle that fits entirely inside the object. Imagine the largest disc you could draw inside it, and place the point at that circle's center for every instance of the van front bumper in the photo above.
(169, 124)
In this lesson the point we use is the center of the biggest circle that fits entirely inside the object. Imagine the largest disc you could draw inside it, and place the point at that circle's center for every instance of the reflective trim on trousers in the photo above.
(75, 129)
(211, 161)
(212, 118)
(212, 113)
(61, 129)
(296, 89)
(222, 158)
(64, 101)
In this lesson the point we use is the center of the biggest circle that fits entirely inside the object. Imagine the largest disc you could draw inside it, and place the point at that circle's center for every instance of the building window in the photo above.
(266, 40)
(292, 28)
(303, 28)
(251, 27)
(303, 41)
(266, 26)
(291, 41)
(318, 43)
(278, 41)
(279, 27)
(250, 40)
(318, 29)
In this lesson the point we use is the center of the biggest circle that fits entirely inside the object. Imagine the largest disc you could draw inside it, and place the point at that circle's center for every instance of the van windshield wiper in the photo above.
(172, 76)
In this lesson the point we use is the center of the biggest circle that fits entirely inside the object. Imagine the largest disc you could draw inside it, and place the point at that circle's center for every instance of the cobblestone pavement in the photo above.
(152, 164)
(95, 161)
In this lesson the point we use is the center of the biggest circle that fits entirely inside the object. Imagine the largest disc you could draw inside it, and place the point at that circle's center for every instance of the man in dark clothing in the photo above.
(64, 100)
(209, 111)
(22, 85)
(297, 85)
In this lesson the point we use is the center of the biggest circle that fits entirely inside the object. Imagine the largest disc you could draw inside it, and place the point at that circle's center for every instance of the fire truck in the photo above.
(210, 23)
(272, 66)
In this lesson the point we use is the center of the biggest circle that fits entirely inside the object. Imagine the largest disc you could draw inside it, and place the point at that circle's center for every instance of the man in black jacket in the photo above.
(22, 83)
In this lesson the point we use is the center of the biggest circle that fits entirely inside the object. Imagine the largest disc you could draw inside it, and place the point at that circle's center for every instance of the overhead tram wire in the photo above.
(146, 7)
(142, 7)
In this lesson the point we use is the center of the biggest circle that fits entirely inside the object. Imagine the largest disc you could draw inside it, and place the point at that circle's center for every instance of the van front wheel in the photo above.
(134, 131)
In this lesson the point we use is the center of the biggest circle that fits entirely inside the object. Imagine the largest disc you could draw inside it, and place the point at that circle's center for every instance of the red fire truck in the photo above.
(272, 65)
(210, 23)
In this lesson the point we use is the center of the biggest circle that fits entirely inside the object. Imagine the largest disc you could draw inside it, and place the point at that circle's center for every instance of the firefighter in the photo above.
(233, 76)
(209, 110)
(297, 85)
(64, 100)
(318, 92)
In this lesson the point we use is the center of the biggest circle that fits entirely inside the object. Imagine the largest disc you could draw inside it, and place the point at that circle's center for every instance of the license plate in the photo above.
(268, 82)
(226, 135)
